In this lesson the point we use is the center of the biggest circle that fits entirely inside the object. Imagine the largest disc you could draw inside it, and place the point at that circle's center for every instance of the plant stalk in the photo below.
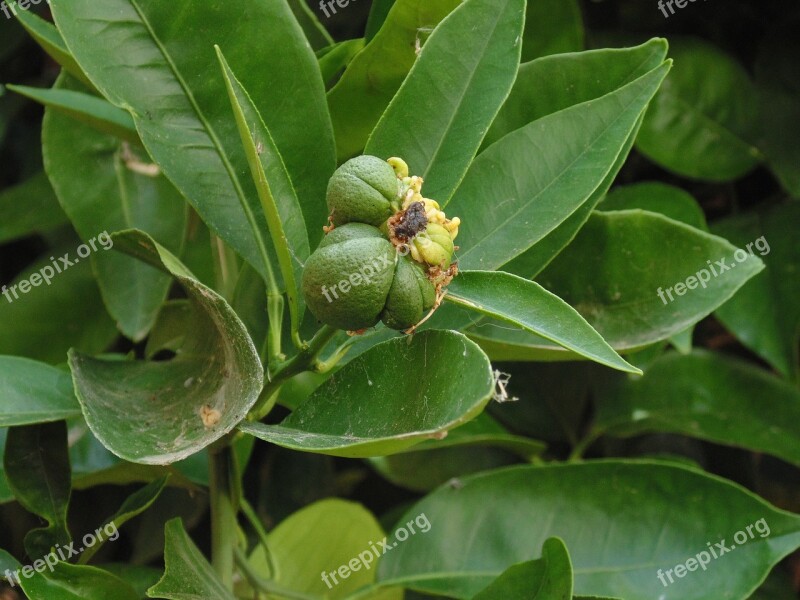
(302, 361)
(222, 473)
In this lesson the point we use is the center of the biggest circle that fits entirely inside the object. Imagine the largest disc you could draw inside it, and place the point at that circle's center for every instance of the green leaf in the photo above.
(669, 201)
(28, 208)
(141, 58)
(371, 407)
(615, 552)
(318, 539)
(47, 320)
(33, 392)
(187, 575)
(528, 305)
(533, 261)
(161, 412)
(552, 27)
(378, 12)
(314, 31)
(479, 445)
(437, 120)
(706, 396)
(765, 314)
(657, 197)
(618, 293)
(36, 464)
(134, 505)
(275, 190)
(549, 578)
(84, 108)
(699, 123)
(553, 83)
(780, 113)
(49, 38)
(72, 582)
(125, 192)
(338, 58)
(376, 73)
(529, 197)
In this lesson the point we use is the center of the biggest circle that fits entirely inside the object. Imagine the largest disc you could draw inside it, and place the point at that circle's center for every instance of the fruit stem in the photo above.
(284, 371)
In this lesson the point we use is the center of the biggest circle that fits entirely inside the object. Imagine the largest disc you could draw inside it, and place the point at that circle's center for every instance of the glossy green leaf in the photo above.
(187, 575)
(37, 468)
(338, 58)
(657, 197)
(376, 73)
(617, 292)
(315, 31)
(707, 396)
(497, 519)
(765, 314)
(479, 445)
(145, 56)
(553, 83)
(48, 320)
(49, 38)
(278, 199)
(84, 108)
(161, 412)
(126, 192)
(670, 201)
(371, 407)
(378, 12)
(700, 122)
(534, 260)
(134, 505)
(318, 539)
(72, 582)
(552, 27)
(437, 120)
(529, 306)
(549, 578)
(28, 208)
(33, 392)
(529, 196)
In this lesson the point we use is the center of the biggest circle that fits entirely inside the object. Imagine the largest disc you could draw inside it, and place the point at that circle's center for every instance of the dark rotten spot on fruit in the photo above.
(410, 222)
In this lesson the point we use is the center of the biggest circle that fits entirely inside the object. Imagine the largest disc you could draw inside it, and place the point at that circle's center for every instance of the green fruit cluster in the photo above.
(385, 252)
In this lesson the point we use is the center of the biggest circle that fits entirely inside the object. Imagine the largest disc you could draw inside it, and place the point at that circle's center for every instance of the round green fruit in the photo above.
(356, 278)
(410, 297)
(365, 189)
(346, 280)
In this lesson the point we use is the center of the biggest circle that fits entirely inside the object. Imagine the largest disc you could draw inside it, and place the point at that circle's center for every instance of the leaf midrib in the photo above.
(560, 176)
(209, 131)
